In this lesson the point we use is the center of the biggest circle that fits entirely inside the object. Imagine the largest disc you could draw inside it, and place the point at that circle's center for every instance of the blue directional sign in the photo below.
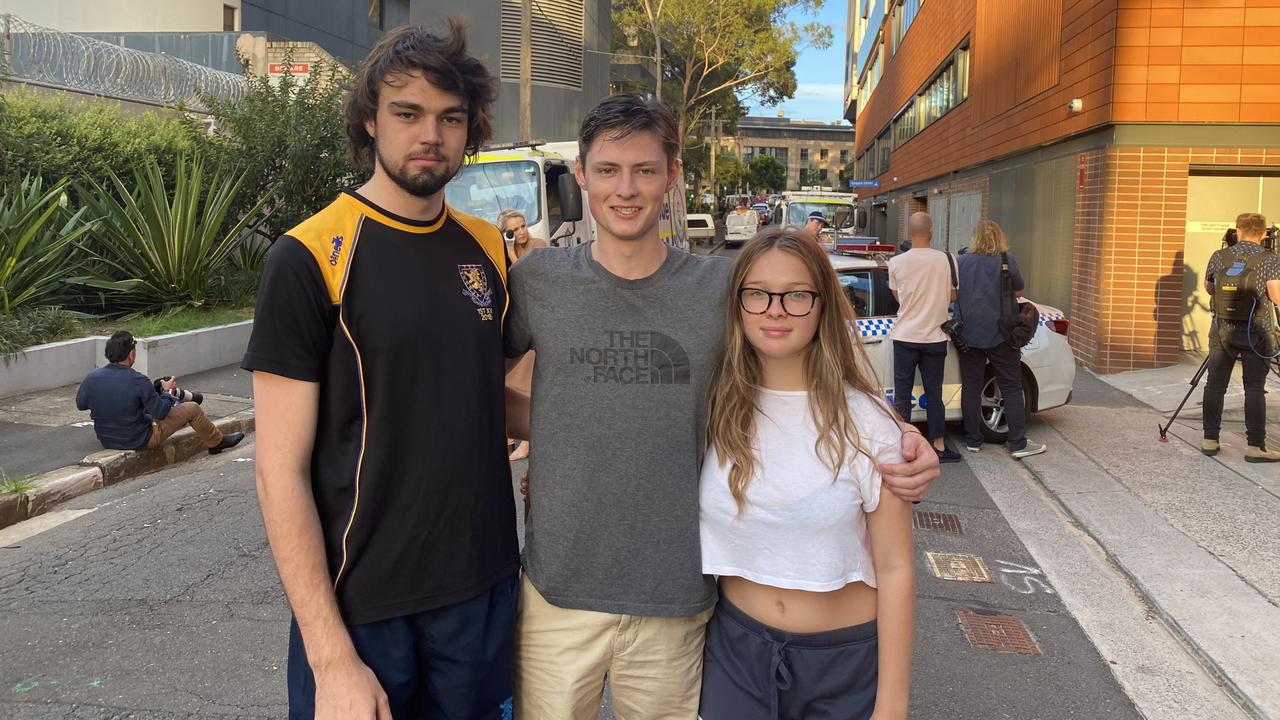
(873, 184)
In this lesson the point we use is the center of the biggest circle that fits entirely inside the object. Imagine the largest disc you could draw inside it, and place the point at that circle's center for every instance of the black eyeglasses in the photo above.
(796, 303)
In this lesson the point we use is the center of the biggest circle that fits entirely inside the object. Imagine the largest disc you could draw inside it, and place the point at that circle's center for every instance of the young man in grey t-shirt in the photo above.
(627, 331)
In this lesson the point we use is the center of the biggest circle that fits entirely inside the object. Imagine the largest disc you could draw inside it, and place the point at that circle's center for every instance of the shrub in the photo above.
(157, 248)
(36, 326)
(55, 137)
(37, 233)
(289, 135)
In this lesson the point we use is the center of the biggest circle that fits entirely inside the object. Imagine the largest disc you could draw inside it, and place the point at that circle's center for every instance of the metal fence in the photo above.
(42, 55)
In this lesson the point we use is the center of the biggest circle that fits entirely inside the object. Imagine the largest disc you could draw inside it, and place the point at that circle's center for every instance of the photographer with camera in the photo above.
(131, 412)
(515, 231)
(1244, 281)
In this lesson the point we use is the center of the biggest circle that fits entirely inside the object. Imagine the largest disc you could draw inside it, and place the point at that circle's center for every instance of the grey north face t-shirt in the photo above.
(619, 416)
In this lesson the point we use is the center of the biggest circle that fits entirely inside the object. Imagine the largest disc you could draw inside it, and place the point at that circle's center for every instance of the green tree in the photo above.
(767, 174)
(710, 49)
(730, 173)
(289, 138)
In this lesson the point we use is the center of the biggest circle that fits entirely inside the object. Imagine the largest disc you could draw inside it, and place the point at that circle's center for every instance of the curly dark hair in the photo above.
(441, 60)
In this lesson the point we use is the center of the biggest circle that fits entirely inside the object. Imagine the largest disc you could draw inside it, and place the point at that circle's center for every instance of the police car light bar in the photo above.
(862, 245)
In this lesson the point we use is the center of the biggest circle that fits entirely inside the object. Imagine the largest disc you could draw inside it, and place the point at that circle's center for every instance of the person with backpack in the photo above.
(989, 287)
(1244, 281)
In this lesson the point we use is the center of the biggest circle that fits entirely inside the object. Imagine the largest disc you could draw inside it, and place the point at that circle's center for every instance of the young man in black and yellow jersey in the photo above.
(379, 389)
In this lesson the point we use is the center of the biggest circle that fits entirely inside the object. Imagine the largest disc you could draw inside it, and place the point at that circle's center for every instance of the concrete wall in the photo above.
(43, 367)
(557, 111)
(49, 366)
(123, 15)
(339, 26)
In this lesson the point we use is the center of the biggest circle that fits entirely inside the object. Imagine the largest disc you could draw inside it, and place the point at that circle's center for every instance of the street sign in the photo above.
(873, 184)
(288, 68)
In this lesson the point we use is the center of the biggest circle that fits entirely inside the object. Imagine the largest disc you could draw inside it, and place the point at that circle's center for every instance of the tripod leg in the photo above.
(1195, 380)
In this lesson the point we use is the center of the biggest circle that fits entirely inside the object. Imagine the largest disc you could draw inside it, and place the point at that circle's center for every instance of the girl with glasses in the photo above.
(814, 562)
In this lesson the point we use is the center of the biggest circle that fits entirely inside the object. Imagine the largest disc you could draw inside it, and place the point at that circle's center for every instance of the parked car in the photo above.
(740, 227)
(1048, 366)
(701, 228)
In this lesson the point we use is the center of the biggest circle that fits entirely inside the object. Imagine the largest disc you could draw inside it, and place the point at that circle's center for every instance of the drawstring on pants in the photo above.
(779, 675)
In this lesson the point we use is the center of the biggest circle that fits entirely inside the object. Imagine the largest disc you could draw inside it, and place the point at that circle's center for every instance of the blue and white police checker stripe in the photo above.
(880, 327)
(875, 327)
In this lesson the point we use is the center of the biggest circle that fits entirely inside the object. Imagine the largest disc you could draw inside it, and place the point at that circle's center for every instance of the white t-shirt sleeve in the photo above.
(881, 438)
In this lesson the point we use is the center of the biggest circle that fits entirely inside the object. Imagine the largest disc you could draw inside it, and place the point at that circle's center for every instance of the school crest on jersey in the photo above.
(475, 284)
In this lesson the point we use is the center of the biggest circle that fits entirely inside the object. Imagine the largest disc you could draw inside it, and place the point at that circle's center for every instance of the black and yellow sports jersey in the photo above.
(400, 322)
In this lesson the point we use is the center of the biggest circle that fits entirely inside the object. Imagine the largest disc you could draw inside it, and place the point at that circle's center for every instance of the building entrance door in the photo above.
(938, 206)
(966, 211)
(1213, 202)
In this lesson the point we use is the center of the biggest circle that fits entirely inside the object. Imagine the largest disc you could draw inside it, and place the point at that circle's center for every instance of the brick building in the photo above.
(1114, 140)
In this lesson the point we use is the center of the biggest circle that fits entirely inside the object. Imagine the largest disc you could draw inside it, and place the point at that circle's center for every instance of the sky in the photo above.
(819, 73)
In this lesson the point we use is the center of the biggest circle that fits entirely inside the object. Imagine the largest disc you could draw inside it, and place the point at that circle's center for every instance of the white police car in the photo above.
(1048, 367)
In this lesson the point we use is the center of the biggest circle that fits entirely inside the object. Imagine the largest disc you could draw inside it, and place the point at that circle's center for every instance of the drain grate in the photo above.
(964, 568)
(1001, 633)
(942, 522)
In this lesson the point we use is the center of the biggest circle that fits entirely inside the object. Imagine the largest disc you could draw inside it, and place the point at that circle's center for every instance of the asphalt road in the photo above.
(161, 601)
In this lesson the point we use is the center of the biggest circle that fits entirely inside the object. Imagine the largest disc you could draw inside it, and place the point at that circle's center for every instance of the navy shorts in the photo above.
(751, 671)
(450, 663)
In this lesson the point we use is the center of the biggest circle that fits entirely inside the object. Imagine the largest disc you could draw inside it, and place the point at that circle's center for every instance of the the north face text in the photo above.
(634, 357)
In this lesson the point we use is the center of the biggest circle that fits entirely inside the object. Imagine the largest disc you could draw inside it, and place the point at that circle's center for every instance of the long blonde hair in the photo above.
(988, 238)
(836, 360)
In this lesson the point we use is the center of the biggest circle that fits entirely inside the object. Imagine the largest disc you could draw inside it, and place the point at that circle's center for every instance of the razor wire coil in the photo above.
(44, 55)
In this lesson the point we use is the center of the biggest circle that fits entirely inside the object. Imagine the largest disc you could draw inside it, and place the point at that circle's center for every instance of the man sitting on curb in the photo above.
(130, 413)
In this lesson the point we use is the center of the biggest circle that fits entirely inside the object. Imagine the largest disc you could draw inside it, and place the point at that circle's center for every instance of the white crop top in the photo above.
(799, 530)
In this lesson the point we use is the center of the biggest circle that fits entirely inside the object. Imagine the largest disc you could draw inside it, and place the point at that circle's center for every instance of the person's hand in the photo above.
(524, 491)
(909, 480)
(169, 385)
(348, 690)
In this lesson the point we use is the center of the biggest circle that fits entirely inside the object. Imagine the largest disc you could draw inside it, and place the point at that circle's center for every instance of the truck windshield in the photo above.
(799, 210)
(486, 189)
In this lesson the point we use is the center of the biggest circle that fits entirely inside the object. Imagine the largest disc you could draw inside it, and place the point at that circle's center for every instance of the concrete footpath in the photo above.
(50, 444)
(1193, 538)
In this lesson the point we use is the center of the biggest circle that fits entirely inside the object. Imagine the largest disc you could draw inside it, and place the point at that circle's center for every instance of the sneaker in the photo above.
(1257, 454)
(229, 440)
(947, 455)
(1210, 447)
(973, 448)
(197, 398)
(1031, 448)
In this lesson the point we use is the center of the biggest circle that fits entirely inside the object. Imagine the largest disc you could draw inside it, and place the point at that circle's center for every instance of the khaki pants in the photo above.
(562, 656)
(178, 418)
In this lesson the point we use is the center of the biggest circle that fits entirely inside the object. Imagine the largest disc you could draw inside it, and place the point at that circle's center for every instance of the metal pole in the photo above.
(657, 57)
(715, 150)
(526, 70)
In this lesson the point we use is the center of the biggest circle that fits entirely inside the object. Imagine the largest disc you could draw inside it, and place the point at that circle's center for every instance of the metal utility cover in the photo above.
(942, 522)
(1002, 633)
(964, 568)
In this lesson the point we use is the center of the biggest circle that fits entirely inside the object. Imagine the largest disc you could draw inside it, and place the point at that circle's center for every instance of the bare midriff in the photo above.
(801, 611)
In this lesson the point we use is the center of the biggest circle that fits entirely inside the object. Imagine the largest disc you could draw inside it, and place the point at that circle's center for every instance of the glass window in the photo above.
(798, 211)
(487, 189)
(228, 18)
(844, 157)
(822, 154)
(804, 155)
(857, 285)
(375, 13)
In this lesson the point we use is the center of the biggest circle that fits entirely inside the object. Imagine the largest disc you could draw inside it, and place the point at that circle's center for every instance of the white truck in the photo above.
(837, 208)
(537, 179)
